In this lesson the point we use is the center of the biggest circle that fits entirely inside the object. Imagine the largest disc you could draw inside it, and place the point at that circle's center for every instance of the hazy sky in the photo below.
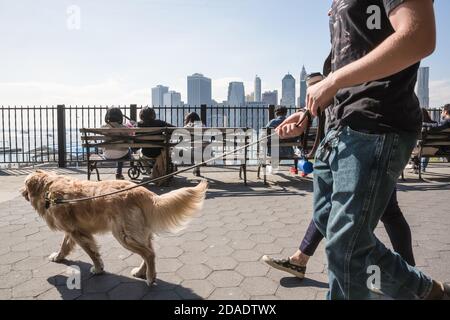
(126, 47)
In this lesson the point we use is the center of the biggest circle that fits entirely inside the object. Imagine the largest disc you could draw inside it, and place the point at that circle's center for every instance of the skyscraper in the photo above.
(257, 89)
(303, 87)
(172, 100)
(236, 94)
(158, 95)
(270, 98)
(199, 90)
(236, 100)
(423, 87)
(288, 94)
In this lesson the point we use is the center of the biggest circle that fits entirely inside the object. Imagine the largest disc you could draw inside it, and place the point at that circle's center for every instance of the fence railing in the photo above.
(51, 134)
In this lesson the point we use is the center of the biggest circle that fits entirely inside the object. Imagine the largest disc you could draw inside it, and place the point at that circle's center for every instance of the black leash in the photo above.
(51, 199)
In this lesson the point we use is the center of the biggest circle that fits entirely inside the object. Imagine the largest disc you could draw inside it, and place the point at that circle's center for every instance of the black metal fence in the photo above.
(50, 134)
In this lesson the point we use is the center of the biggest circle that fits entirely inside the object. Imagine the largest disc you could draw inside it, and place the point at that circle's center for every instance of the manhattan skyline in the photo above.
(123, 49)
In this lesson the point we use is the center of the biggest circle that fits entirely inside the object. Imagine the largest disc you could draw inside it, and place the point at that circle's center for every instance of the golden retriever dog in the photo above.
(133, 216)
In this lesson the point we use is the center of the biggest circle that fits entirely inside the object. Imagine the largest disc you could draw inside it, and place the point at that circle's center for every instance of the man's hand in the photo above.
(288, 129)
(320, 96)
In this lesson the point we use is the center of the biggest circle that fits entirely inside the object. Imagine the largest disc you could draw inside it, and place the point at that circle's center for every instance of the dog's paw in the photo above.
(96, 271)
(137, 273)
(151, 283)
(54, 257)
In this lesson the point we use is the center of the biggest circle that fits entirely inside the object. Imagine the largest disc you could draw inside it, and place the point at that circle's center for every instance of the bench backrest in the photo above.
(433, 141)
(161, 137)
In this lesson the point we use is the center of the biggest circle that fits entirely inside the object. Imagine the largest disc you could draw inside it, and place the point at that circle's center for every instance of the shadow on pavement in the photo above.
(115, 287)
(292, 282)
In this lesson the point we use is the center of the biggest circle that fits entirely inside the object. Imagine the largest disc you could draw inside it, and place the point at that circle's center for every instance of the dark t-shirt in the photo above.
(385, 105)
(153, 152)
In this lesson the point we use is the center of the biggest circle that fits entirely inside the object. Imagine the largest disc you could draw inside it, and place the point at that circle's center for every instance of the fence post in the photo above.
(203, 113)
(61, 124)
(271, 112)
(133, 112)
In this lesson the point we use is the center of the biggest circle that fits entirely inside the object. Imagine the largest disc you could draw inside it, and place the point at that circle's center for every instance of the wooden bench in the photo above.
(266, 159)
(168, 139)
(432, 145)
(95, 139)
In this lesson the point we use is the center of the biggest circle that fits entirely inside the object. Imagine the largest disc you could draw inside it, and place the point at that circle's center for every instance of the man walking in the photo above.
(374, 122)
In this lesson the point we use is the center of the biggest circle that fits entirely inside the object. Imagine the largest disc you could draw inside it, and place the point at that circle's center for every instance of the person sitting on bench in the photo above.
(114, 120)
(156, 168)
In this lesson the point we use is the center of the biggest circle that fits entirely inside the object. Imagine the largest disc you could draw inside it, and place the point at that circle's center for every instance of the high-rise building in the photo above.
(171, 113)
(250, 97)
(236, 94)
(270, 98)
(288, 91)
(172, 99)
(257, 94)
(236, 100)
(199, 90)
(303, 89)
(158, 95)
(423, 87)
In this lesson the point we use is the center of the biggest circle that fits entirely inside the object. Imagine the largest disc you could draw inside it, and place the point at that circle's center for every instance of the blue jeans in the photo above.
(354, 176)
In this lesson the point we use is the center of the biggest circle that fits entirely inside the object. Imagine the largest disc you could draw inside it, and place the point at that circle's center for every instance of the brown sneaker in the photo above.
(120, 177)
(286, 265)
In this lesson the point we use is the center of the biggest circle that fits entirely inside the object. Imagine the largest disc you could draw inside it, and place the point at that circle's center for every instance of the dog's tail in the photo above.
(173, 210)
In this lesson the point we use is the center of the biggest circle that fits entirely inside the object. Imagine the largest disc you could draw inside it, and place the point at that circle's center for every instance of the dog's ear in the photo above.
(34, 184)
(23, 191)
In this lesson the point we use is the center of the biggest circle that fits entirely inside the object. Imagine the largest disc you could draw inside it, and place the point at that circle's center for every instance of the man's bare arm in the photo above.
(414, 39)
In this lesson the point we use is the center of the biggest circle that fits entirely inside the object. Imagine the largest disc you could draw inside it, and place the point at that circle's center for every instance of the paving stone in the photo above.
(196, 289)
(13, 257)
(193, 258)
(14, 278)
(242, 244)
(224, 279)
(5, 294)
(217, 240)
(219, 251)
(252, 269)
(162, 296)
(129, 291)
(259, 286)
(194, 272)
(31, 288)
(229, 294)
(168, 265)
(222, 247)
(194, 246)
(102, 283)
(222, 263)
(246, 255)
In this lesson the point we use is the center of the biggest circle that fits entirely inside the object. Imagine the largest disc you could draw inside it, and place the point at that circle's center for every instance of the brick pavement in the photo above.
(218, 255)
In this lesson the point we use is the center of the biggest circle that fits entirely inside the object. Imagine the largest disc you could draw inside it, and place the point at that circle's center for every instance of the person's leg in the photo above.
(425, 162)
(365, 169)
(308, 247)
(296, 264)
(311, 241)
(119, 169)
(398, 230)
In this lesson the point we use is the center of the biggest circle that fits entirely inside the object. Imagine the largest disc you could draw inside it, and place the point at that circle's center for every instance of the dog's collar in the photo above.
(50, 200)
